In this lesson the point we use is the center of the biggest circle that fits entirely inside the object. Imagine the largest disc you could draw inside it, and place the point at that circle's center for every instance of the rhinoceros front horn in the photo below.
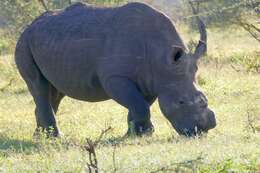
(201, 48)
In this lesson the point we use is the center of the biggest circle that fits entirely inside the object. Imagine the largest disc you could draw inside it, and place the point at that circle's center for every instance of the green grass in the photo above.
(233, 146)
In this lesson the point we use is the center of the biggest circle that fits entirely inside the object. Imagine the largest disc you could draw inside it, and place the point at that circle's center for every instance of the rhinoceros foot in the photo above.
(139, 129)
(47, 132)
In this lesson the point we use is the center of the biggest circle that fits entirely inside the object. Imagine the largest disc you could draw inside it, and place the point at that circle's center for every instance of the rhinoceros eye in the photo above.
(177, 56)
(177, 53)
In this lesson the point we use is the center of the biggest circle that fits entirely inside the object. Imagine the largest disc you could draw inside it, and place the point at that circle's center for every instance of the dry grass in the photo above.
(231, 146)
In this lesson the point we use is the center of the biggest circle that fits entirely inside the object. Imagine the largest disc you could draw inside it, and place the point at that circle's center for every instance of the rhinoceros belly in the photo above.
(71, 67)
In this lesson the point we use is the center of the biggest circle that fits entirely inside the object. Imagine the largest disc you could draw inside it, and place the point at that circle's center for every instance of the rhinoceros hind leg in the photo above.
(55, 98)
(44, 111)
(39, 88)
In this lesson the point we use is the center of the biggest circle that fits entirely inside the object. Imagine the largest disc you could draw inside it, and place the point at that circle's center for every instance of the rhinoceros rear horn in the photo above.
(201, 48)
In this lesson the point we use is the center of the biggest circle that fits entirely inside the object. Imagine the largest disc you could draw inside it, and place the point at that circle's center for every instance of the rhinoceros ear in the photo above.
(177, 53)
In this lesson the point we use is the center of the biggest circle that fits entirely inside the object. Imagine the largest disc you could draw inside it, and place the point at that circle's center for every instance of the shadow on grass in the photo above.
(16, 145)
(134, 140)
(147, 140)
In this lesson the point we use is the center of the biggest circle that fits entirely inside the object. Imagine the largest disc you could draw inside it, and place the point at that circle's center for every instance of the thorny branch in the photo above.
(213, 11)
(250, 28)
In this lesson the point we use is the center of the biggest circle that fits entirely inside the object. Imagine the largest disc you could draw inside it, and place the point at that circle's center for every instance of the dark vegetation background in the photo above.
(16, 14)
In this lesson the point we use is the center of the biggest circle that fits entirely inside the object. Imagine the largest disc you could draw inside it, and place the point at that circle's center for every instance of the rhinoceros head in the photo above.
(180, 101)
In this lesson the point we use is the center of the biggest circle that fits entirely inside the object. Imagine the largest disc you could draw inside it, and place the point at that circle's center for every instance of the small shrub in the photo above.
(251, 62)
(192, 45)
(229, 165)
(201, 81)
(5, 46)
(252, 115)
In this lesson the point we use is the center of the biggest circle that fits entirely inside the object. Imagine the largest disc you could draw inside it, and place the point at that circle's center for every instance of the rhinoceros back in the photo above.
(68, 46)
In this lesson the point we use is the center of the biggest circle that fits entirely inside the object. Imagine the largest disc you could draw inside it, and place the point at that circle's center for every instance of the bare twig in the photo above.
(103, 132)
(114, 159)
(90, 148)
(235, 68)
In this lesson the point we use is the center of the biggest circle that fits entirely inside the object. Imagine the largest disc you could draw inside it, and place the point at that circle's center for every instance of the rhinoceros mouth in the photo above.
(196, 131)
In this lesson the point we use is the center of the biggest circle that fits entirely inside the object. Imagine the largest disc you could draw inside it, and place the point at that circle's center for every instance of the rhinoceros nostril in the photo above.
(181, 102)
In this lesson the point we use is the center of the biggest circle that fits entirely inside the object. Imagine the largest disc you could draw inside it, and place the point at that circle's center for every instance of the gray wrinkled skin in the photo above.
(131, 54)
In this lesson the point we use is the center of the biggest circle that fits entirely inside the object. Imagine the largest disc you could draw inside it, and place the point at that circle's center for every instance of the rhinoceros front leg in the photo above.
(150, 128)
(125, 92)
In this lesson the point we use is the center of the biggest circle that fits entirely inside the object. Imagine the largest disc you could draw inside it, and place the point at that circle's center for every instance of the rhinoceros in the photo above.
(132, 54)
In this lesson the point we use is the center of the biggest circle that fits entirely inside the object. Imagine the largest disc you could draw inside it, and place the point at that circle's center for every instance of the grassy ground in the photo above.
(233, 90)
